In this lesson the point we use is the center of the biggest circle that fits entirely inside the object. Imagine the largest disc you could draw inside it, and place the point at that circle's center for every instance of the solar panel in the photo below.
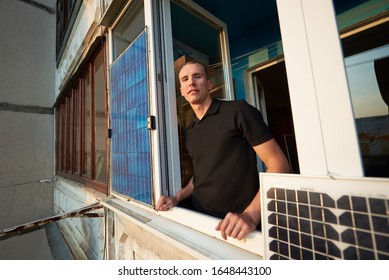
(320, 218)
(131, 164)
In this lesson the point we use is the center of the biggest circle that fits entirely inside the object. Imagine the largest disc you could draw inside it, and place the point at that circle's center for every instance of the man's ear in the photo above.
(210, 85)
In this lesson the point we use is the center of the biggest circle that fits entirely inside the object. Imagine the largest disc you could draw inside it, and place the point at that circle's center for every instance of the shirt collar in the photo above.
(213, 108)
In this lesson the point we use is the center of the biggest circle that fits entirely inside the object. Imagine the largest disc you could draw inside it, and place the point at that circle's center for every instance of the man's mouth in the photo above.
(193, 91)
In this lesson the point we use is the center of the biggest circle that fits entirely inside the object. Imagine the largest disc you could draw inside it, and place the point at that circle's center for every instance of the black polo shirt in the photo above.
(224, 162)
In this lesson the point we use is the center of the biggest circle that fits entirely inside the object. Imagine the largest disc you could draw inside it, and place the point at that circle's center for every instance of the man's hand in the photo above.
(236, 226)
(166, 202)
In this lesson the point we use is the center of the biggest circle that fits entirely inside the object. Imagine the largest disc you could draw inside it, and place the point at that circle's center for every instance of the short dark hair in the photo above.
(205, 68)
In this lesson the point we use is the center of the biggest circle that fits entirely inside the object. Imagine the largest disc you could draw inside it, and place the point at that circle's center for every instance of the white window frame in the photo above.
(326, 138)
(153, 106)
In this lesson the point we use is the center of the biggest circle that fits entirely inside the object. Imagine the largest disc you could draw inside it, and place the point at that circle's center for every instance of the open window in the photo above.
(130, 140)
(137, 162)
(194, 35)
(271, 97)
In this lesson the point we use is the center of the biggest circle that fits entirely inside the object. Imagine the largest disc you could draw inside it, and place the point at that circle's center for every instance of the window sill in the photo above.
(98, 186)
(203, 241)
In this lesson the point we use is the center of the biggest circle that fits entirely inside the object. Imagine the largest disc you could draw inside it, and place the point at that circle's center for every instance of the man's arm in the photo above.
(238, 225)
(166, 202)
(273, 157)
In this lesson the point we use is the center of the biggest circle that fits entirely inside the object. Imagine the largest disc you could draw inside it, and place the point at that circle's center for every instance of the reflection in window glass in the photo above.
(77, 130)
(128, 29)
(100, 139)
(71, 133)
(66, 136)
(194, 39)
(87, 137)
(63, 139)
(367, 76)
(60, 138)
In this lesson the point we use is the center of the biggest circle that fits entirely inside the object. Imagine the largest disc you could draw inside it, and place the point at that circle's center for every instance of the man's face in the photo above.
(194, 84)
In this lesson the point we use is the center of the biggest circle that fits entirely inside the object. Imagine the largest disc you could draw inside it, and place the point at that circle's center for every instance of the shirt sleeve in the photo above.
(249, 122)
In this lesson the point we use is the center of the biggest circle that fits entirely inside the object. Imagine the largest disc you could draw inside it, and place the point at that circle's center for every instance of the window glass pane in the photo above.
(77, 130)
(194, 38)
(71, 131)
(59, 137)
(87, 131)
(67, 132)
(66, 11)
(129, 27)
(367, 74)
(63, 133)
(100, 128)
(82, 125)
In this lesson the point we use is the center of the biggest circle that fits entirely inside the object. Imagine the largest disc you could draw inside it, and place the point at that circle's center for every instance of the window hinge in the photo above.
(109, 133)
(151, 123)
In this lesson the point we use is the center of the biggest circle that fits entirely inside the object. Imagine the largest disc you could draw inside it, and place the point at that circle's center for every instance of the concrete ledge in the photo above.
(85, 236)
(195, 244)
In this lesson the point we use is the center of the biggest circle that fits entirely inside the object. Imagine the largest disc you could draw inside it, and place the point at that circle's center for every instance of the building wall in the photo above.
(82, 35)
(27, 53)
(85, 236)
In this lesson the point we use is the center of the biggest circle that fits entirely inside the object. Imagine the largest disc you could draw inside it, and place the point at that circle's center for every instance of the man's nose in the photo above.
(191, 80)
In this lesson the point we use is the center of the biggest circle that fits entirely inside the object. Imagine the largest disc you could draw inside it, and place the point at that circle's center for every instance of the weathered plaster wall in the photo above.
(132, 242)
(83, 33)
(84, 235)
(26, 158)
(27, 55)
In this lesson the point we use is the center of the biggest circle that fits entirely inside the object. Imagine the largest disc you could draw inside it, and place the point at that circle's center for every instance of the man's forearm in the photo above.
(254, 209)
(185, 192)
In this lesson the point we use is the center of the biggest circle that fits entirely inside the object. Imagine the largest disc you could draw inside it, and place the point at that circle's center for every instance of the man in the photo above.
(223, 141)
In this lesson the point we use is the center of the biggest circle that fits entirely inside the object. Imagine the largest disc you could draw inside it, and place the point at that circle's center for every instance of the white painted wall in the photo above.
(27, 63)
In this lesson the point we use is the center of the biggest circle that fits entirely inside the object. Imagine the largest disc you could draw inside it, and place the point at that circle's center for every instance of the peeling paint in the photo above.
(34, 225)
